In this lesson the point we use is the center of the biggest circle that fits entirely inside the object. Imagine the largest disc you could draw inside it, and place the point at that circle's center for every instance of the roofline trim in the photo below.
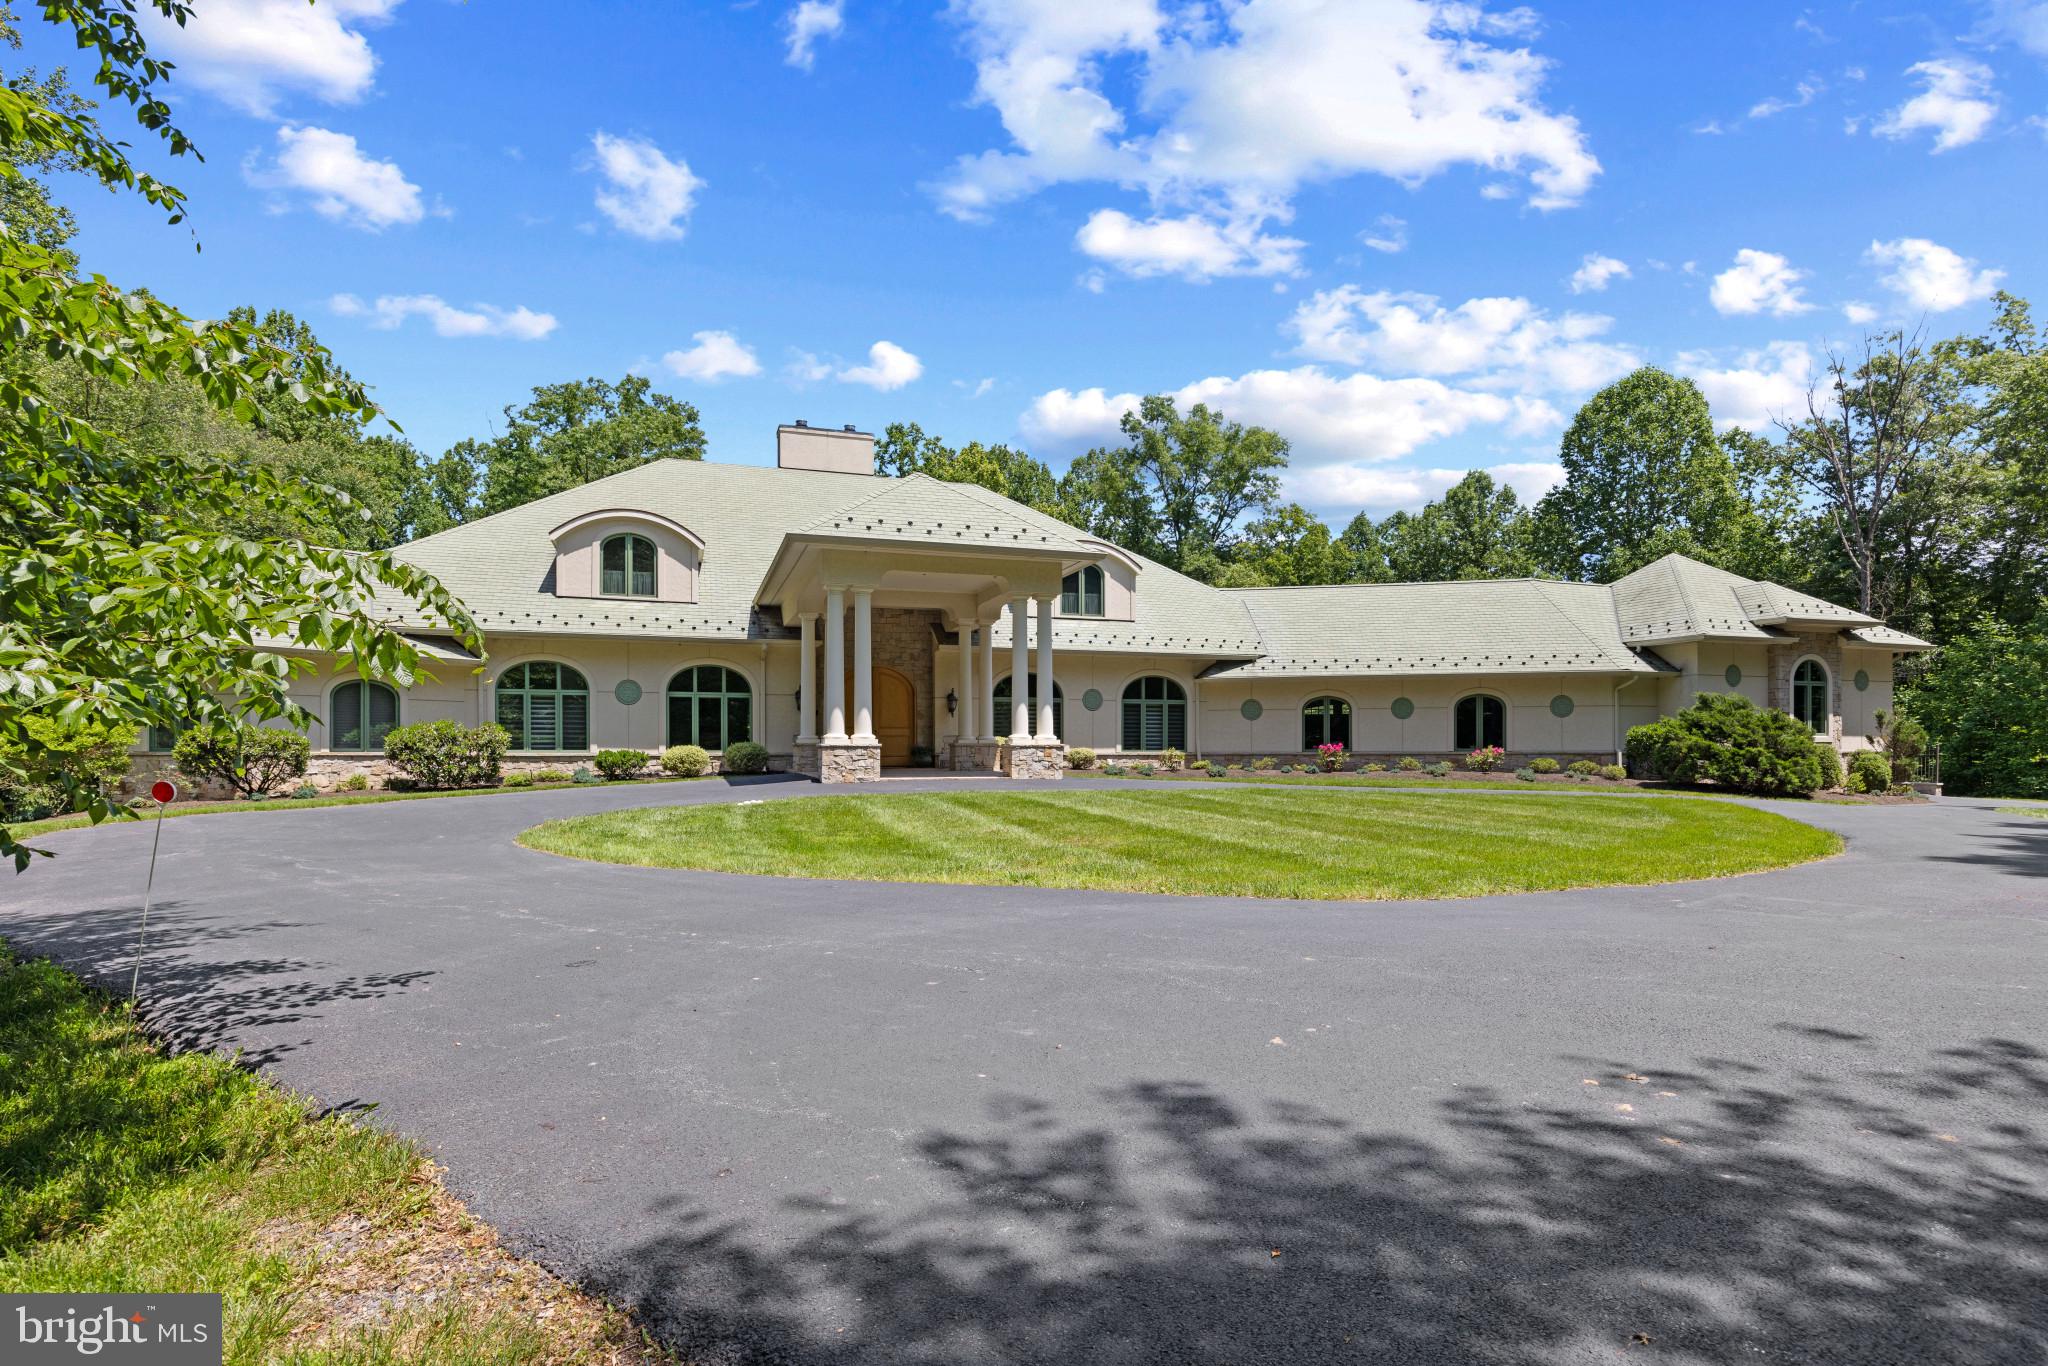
(583, 519)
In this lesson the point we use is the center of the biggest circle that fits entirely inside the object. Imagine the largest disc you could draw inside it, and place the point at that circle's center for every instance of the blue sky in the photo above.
(1411, 237)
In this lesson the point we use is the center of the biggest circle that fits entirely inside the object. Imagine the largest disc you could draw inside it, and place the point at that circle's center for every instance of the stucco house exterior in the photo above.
(851, 622)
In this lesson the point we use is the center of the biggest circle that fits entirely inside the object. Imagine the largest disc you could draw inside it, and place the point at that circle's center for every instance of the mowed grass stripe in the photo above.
(1264, 843)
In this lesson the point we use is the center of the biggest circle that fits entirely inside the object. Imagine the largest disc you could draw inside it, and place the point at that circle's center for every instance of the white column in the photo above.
(807, 678)
(1045, 670)
(966, 718)
(863, 666)
(835, 664)
(1020, 670)
(985, 710)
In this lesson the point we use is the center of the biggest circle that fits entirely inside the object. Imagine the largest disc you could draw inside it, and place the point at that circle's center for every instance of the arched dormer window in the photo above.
(627, 566)
(1081, 592)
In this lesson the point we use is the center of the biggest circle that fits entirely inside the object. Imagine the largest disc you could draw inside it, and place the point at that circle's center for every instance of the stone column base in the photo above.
(1037, 759)
(975, 756)
(849, 761)
(803, 758)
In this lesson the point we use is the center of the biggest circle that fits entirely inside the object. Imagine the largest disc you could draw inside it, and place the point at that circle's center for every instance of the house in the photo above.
(851, 623)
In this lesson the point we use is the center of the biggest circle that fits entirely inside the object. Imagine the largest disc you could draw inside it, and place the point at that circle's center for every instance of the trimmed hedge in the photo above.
(1729, 741)
(1869, 771)
(746, 757)
(620, 763)
(253, 760)
(686, 761)
(444, 754)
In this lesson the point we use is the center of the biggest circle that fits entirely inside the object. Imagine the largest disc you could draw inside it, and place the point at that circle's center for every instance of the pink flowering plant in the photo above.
(1330, 757)
(1485, 759)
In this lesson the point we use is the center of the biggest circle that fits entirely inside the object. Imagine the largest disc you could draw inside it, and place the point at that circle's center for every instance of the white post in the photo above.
(985, 710)
(835, 664)
(807, 679)
(1045, 670)
(1020, 671)
(863, 666)
(966, 727)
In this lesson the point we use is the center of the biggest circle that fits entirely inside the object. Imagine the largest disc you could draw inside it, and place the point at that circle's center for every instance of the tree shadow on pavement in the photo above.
(1724, 1211)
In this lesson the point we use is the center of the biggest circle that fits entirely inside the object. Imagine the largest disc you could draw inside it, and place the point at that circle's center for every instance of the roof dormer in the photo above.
(626, 553)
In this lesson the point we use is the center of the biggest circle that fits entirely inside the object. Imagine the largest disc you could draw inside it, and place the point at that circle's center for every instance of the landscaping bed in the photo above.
(1204, 841)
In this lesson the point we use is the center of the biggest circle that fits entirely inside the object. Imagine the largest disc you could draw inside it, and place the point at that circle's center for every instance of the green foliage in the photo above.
(553, 775)
(517, 780)
(1410, 764)
(905, 449)
(1198, 765)
(1080, 756)
(1543, 765)
(1613, 773)
(745, 757)
(1263, 762)
(1372, 766)
(1729, 741)
(584, 775)
(253, 760)
(686, 761)
(1172, 760)
(1485, 759)
(616, 764)
(568, 434)
(1984, 701)
(79, 762)
(355, 782)
(1869, 771)
(1439, 769)
(1584, 768)
(1286, 547)
(1477, 530)
(305, 792)
(444, 754)
(1526, 774)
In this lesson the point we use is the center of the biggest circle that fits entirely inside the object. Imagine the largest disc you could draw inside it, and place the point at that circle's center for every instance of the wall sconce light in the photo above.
(952, 702)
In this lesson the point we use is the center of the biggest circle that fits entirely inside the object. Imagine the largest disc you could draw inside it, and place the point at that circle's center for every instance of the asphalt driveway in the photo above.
(1796, 1116)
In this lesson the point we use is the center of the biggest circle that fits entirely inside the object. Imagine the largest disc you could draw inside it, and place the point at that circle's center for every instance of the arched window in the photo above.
(545, 706)
(1477, 721)
(1081, 592)
(710, 705)
(1810, 694)
(1155, 714)
(1326, 721)
(628, 563)
(360, 714)
(1059, 703)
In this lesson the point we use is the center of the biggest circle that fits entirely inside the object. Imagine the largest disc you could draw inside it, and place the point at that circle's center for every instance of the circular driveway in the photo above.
(1792, 1116)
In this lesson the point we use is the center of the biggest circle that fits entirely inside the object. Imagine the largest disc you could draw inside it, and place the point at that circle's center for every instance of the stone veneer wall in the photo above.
(904, 642)
(327, 772)
(1785, 657)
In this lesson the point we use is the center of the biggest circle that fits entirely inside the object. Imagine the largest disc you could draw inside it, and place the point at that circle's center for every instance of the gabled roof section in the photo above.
(1887, 638)
(918, 510)
(1676, 598)
(1773, 604)
(1469, 626)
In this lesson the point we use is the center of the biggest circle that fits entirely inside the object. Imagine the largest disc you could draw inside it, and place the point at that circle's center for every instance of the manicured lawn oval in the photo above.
(1206, 842)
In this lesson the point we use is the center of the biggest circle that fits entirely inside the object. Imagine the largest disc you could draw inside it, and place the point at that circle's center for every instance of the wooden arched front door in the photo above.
(895, 715)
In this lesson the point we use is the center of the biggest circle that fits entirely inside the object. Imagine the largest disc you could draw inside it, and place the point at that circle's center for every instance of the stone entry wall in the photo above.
(903, 641)
(1785, 657)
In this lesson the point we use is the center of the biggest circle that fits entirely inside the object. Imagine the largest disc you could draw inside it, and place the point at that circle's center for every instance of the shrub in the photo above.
(1439, 769)
(1200, 765)
(1263, 763)
(1485, 759)
(304, 791)
(64, 767)
(1613, 773)
(1216, 771)
(1869, 771)
(1080, 756)
(355, 782)
(1411, 764)
(1526, 774)
(1544, 765)
(519, 780)
(1330, 757)
(745, 757)
(1373, 766)
(1983, 698)
(686, 761)
(253, 760)
(1729, 741)
(442, 754)
(618, 764)
(1146, 769)
(552, 775)
(1583, 768)
(584, 775)
(1113, 770)
(1172, 760)
(1830, 766)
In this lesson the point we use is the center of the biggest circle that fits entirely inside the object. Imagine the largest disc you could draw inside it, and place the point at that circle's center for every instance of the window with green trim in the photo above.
(627, 561)
(1059, 703)
(1326, 721)
(360, 713)
(1810, 694)
(1155, 714)
(1081, 592)
(711, 706)
(545, 706)
(163, 738)
(1477, 721)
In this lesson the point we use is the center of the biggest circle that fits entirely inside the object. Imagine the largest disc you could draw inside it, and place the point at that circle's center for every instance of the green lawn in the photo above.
(123, 1169)
(1213, 841)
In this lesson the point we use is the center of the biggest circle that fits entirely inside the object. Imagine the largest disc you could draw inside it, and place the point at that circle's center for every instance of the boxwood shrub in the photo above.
(618, 764)
(444, 754)
(1869, 771)
(1727, 740)
(686, 761)
(746, 757)
(253, 760)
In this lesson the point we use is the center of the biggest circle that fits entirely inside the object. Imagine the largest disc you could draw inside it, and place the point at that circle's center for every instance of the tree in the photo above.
(1287, 547)
(1644, 476)
(569, 434)
(1178, 490)
(1017, 475)
(1477, 530)
(1983, 698)
(113, 609)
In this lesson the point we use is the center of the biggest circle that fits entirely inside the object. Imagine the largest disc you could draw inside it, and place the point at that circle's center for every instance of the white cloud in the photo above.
(1858, 313)
(2023, 21)
(889, 367)
(1192, 247)
(716, 356)
(978, 388)
(1930, 277)
(809, 22)
(1378, 489)
(1400, 88)
(479, 320)
(646, 193)
(1500, 342)
(1956, 103)
(1388, 234)
(1803, 94)
(341, 181)
(249, 53)
(1596, 271)
(1759, 282)
(1758, 388)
